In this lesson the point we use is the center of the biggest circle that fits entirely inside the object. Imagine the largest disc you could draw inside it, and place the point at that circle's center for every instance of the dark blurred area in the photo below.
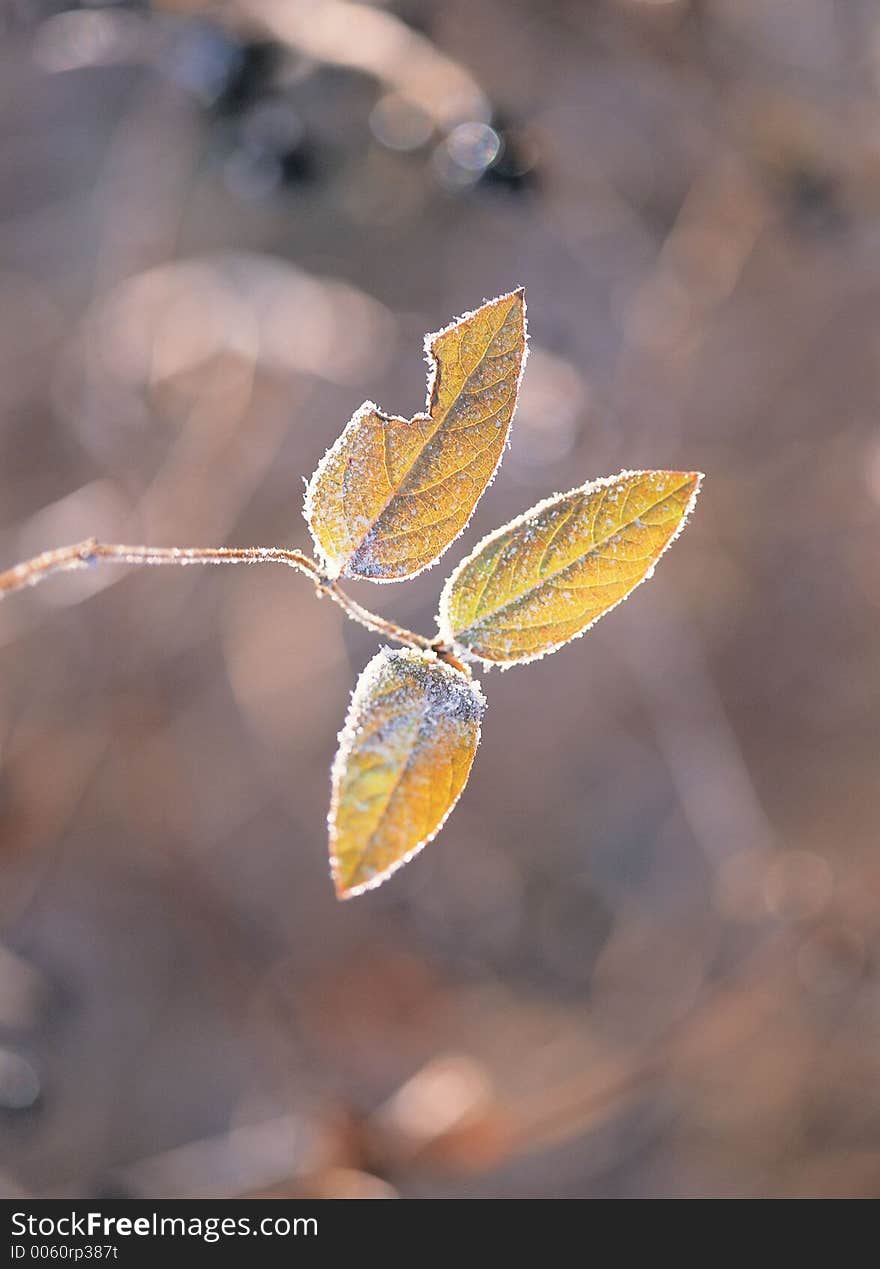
(642, 958)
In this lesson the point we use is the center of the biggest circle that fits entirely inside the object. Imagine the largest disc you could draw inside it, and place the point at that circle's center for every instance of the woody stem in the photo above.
(91, 552)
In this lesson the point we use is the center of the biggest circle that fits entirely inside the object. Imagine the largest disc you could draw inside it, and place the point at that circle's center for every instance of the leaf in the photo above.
(391, 494)
(544, 578)
(404, 757)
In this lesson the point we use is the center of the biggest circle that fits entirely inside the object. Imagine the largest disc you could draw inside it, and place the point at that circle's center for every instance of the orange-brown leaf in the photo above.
(543, 579)
(404, 757)
(391, 494)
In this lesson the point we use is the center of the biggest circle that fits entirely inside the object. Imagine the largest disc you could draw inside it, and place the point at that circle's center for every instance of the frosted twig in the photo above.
(91, 552)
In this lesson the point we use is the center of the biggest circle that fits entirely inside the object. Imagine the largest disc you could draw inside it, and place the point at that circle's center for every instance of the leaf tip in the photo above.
(693, 484)
(344, 889)
(354, 877)
(518, 296)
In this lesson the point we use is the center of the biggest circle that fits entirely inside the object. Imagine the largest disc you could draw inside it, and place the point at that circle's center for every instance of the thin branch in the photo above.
(91, 552)
(374, 622)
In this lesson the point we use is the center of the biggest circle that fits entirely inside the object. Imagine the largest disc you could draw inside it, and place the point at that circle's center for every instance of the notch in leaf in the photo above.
(391, 494)
(404, 757)
(548, 575)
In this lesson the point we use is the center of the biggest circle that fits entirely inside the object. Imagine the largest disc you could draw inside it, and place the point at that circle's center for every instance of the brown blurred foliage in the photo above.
(642, 958)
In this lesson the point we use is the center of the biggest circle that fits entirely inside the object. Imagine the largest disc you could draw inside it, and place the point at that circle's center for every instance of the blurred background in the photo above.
(642, 958)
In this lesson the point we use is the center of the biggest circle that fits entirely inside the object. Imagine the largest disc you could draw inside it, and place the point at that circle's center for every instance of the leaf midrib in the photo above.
(420, 735)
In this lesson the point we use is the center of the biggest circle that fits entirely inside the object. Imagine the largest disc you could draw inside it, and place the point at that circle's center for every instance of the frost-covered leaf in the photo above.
(543, 579)
(391, 494)
(404, 757)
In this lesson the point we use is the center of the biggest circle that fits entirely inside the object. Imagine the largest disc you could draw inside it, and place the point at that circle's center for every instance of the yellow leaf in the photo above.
(391, 494)
(404, 757)
(543, 579)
